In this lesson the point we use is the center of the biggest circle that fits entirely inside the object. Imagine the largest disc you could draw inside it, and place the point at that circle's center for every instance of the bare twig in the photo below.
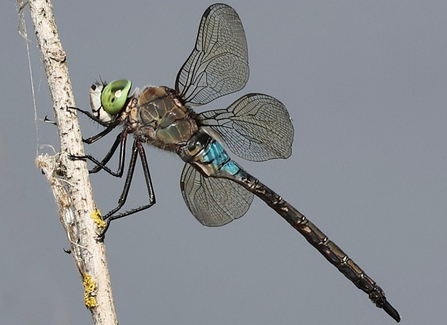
(69, 179)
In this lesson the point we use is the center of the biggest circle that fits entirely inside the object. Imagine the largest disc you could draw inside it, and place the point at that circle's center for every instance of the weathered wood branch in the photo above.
(69, 180)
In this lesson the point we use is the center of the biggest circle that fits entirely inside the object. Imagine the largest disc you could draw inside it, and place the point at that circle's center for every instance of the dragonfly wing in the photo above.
(213, 201)
(255, 127)
(218, 64)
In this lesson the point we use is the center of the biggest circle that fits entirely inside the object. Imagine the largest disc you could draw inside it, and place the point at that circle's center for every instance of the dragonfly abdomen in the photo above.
(318, 239)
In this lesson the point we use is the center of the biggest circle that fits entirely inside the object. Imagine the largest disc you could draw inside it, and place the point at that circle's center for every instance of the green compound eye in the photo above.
(114, 96)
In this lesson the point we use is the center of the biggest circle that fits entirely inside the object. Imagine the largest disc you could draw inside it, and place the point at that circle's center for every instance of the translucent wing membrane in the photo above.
(218, 64)
(256, 127)
(213, 201)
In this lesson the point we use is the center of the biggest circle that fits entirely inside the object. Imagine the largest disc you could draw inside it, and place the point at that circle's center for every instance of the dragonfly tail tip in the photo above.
(391, 311)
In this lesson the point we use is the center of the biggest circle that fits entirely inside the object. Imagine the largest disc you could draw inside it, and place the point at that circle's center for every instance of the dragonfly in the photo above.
(256, 127)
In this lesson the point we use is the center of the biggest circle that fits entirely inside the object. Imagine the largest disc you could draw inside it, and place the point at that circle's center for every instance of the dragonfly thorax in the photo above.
(159, 118)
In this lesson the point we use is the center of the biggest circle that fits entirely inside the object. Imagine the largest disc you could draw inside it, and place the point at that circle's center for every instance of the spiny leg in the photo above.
(90, 115)
(120, 139)
(147, 175)
(101, 134)
(137, 149)
(108, 125)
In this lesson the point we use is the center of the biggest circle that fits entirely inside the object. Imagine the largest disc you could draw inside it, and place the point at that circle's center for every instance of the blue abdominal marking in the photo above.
(216, 155)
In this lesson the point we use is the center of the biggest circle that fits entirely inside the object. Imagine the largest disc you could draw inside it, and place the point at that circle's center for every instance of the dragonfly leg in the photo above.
(89, 115)
(109, 126)
(47, 120)
(120, 139)
(137, 150)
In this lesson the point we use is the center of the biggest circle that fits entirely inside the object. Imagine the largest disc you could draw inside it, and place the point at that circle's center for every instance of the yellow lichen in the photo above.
(96, 216)
(89, 291)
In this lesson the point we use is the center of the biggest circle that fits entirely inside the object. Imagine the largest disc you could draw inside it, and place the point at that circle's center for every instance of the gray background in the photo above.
(365, 83)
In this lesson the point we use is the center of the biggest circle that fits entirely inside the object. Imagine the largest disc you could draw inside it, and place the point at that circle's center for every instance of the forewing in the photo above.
(213, 201)
(218, 64)
(255, 127)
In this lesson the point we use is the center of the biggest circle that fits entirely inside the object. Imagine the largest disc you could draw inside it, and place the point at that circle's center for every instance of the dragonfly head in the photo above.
(108, 100)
